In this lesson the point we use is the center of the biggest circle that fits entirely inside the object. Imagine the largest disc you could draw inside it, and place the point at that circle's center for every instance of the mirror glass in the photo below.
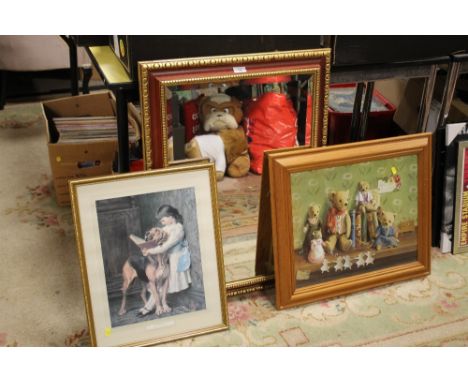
(267, 112)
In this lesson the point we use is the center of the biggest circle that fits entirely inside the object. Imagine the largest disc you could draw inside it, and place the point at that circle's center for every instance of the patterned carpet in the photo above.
(42, 302)
(238, 201)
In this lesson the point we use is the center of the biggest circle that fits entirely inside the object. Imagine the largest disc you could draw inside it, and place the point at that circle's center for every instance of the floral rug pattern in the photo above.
(238, 209)
(432, 311)
(36, 206)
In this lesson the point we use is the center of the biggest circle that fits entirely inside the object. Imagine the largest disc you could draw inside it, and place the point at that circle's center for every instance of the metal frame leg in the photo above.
(74, 74)
(87, 73)
(426, 99)
(449, 90)
(366, 110)
(356, 112)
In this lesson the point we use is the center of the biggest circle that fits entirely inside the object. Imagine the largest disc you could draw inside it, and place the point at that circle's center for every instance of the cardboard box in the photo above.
(78, 160)
(379, 122)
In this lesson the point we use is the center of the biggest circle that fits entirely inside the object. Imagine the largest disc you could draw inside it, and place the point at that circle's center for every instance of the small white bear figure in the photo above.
(325, 266)
(360, 261)
(347, 262)
(316, 252)
(369, 258)
(339, 263)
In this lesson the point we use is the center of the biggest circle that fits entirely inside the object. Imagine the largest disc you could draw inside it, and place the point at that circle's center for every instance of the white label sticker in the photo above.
(160, 325)
(239, 69)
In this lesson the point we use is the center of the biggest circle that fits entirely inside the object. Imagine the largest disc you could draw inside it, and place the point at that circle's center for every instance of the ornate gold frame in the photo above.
(282, 164)
(145, 69)
(77, 185)
(315, 62)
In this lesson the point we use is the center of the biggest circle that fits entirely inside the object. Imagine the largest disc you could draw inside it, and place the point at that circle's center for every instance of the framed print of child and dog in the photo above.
(149, 247)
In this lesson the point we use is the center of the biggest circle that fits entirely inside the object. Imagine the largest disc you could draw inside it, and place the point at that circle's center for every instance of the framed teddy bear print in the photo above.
(229, 110)
(346, 218)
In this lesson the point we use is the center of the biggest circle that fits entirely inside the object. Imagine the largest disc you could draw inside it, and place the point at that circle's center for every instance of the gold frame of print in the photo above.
(106, 211)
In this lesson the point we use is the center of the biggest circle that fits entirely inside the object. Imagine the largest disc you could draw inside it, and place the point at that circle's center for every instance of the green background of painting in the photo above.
(313, 187)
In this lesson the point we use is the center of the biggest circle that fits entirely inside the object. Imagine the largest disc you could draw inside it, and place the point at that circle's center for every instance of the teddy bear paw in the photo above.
(239, 167)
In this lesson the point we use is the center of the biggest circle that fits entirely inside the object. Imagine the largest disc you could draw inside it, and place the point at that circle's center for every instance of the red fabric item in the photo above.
(169, 118)
(137, 165)
(309, 117)
(331, 219)
(270, 123)
(191, 119)
(266, 80)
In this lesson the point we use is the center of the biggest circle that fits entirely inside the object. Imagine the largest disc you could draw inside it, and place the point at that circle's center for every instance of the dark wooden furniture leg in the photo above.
(3, 82)
(87, 73)
(74, 74)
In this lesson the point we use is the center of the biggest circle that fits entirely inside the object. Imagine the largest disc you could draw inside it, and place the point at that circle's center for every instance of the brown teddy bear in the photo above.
(387, 234)
(224, 141)
(367, 203)
(313, 223)
(338, 225)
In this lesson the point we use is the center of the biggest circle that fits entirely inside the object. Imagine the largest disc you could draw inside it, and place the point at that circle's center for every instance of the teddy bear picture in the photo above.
(343, 225)
(312, 224)
(316, 252)
(223, 140)
(387, 233)
(338, 224)
(367, 202)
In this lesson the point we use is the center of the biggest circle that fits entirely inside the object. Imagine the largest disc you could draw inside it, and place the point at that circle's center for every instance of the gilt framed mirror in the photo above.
(231, 109)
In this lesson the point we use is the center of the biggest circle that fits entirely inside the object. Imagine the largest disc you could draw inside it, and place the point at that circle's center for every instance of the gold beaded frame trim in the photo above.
(147, 68)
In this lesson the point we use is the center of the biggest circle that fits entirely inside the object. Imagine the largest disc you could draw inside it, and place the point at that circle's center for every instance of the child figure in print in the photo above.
(176, 248)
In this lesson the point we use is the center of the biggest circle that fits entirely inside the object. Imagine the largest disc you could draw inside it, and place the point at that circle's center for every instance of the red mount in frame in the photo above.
(238, 70)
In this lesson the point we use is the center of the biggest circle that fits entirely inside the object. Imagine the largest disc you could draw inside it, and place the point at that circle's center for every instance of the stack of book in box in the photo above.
(95, 128)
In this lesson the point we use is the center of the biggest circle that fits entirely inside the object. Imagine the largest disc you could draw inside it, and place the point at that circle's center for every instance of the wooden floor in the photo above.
(386, 257)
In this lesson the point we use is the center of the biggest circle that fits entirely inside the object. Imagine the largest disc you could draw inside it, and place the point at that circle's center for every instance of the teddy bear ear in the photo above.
(237, 109)
(331, 195)
(201, 106)
(202, 100)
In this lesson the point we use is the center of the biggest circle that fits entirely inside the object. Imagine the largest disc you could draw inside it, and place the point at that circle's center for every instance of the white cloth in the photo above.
(212, 147)
(364, 197)
(340, 224)
(178, 281)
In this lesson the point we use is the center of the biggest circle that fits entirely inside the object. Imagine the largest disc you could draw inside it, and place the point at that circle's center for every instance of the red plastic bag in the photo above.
(191, 118)
(309, 117)
(270, 123)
